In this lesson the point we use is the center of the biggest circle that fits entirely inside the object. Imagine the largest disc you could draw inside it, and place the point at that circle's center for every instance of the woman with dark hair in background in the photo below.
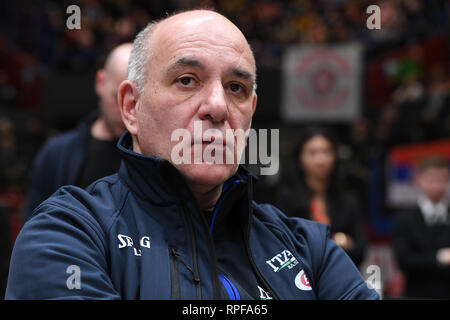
(316, 193)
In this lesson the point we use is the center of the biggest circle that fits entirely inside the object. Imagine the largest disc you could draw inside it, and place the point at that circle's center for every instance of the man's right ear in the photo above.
(127, 98)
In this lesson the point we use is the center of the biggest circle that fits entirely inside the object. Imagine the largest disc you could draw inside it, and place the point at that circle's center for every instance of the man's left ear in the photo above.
(128, 97)
(255, 99)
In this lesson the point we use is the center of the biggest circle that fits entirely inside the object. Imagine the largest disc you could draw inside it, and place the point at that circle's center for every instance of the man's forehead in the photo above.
(194, 29)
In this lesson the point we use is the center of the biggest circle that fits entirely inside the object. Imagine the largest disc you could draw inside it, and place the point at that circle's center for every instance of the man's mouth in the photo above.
(213, 140)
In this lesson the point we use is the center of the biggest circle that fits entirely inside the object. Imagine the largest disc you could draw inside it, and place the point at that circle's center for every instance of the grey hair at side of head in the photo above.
(255, 84)
(141, 53)
(140, 56)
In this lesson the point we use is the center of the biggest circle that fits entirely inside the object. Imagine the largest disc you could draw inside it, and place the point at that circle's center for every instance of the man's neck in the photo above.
(100, 131)
(206, 196)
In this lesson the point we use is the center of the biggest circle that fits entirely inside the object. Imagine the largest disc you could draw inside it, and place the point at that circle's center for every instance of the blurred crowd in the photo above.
(40, 27)
(406, 94)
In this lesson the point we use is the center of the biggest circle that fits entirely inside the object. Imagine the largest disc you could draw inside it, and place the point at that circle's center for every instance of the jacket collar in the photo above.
(155, 179)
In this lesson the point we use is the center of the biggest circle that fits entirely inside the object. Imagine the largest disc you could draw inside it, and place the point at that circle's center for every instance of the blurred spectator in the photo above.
(436, 114)
(408, 74)
(360, 148)
(87, 152)
(7, 91)
(5, 249)
(8, 152)
(421, 239)
(318, 193)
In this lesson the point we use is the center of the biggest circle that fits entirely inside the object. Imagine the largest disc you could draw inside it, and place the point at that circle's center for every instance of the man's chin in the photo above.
(208, 174)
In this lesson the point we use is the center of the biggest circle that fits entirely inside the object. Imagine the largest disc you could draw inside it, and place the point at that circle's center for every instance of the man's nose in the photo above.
(214, 106)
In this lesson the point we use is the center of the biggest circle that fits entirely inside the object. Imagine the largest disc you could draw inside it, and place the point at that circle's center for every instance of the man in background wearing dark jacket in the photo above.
(421, 237)
(5, 248)
(162, 228)
(88, 152)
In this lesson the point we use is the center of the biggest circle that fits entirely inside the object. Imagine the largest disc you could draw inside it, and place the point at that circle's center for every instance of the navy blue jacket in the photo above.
(139, 234)
(58, 163)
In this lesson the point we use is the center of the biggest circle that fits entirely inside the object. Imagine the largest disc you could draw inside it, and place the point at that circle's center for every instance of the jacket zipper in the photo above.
(175, 285)
(247, 244)
(210, 242)
(194, 256)
(215, 275)
(193, 237)
(174, 275)
(213, 260)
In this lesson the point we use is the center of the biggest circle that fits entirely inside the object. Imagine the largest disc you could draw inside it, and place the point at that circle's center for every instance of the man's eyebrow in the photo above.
(185, 62)
(246, 76)
(240, 73)
(189, 62)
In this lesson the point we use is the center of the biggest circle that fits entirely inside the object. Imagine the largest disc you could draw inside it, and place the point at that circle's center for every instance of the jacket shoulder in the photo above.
(69, 229)
(101, 201)
(271, 215)
(306, 236)
(333, 273)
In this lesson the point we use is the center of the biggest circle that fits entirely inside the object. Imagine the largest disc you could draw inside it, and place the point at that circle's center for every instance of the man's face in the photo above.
(434, 182)
(201, 70)
(107, 84)
(109, 108)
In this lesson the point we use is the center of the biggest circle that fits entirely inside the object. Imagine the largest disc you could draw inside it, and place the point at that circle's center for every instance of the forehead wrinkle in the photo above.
(185, 62)
(203, 24)
(208, 44)
(242, 72)
(243, 55)
(177, 34)
(249, 55)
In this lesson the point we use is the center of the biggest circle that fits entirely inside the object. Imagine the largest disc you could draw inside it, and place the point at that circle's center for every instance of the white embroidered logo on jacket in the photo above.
(126, 241)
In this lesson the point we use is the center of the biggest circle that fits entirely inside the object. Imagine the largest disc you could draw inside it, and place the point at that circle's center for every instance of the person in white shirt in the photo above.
(421, 238)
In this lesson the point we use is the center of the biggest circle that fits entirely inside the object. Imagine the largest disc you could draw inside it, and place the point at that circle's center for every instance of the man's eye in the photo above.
(186, 81)
(237, 88)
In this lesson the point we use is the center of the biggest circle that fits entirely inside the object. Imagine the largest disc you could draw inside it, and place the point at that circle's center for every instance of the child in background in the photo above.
(421, 237)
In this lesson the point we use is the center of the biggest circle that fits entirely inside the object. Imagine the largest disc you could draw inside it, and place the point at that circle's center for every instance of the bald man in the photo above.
(172, 224)
(88, 152)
